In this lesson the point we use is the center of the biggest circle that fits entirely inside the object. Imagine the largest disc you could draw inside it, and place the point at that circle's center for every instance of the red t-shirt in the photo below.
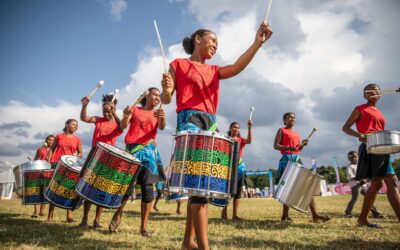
(143, 127)
(289, 138)
(42, 152)
(197, 86)
(66, 145)
(371, 119)
(242, 145)
(105, 131)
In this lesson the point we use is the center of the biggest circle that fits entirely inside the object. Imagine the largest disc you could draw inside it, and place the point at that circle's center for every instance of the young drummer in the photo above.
(106, 130)
(355, 185)
(41, 154)
(64, 144)
(288, 142)
(140, 142)
(197, 91)
(234, 131)
(368, 118)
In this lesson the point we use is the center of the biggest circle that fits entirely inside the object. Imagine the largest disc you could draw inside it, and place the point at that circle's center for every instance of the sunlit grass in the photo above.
(260, 229)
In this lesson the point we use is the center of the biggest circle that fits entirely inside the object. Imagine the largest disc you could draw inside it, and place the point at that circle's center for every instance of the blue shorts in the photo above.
(189, 119)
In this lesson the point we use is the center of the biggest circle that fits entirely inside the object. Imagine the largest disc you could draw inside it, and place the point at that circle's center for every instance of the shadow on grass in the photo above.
(251, 243)
(22, 231)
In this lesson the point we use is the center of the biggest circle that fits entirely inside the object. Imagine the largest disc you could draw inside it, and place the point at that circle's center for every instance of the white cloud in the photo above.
(118, 7)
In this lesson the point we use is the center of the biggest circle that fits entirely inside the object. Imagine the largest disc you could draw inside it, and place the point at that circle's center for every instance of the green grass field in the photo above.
(260, 229)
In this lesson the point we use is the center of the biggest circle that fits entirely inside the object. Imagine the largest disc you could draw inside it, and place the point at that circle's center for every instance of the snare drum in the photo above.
(61, 190)
(202, 164)
(297, 187)
(383, 142)
(108, 173)
(36, 176)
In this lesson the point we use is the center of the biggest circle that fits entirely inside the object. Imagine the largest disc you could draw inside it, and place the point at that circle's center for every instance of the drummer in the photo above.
(288, 142)
(368, 119)
(234, 131)
(197, 91)
(140, 142)
(41, 154)
(64, 144)
(106, 130)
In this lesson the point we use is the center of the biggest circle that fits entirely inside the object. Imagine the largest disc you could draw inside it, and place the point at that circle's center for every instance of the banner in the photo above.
(314, 165)
(271, 183)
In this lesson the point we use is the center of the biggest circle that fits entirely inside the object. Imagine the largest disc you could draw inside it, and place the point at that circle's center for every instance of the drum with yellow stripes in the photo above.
(61, 190)
(108, 172)
(202, 164)
(36, 176)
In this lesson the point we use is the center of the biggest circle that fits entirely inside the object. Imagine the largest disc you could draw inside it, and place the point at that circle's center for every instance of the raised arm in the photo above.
(126, 119)
(249, 126)
(354, 116)
(84, 117)
(241, 63)
(168, 86)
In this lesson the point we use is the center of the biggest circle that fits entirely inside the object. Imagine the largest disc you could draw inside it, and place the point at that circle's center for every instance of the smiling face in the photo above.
(289, 120)
(50, 141)
(206, 44)
(371, 93)
(235, 130)
(353, 158)
(71, 127)
(153, 98)
(107, 110)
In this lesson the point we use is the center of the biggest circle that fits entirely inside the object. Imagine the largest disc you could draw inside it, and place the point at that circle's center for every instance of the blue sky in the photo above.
(320, 57)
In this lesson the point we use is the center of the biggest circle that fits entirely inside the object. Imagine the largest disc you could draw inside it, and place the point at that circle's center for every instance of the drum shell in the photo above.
(173, 196)
(297, 187)
(61, 190)
(34, 184)
(383, 142)
(202, 164)
(107, 176)
(19, 184)
(219, 202)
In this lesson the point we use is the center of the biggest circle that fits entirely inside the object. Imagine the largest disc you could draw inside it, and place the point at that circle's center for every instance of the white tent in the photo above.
(6, 182)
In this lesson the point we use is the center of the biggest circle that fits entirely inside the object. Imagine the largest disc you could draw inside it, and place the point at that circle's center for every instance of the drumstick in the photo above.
(115, 95)
(161, 46)
(309, 136)
(145, 93)
(385, 92)
(101, 83)
(251, 113)
(266, 17)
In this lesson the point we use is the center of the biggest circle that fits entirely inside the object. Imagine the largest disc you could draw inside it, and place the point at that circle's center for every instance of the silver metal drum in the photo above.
(27, 166)
(18, 180)
(297, 187)
(383, 142)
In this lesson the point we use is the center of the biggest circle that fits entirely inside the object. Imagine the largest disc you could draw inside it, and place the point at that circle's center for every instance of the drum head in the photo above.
(119, 152)
(205, 133)
(73, 162)
(35, 165)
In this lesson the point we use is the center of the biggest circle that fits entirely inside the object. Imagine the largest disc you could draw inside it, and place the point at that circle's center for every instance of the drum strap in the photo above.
(140, 146)
(213, 128)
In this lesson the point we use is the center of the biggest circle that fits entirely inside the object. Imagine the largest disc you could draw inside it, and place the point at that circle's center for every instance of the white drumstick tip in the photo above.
(101, 83)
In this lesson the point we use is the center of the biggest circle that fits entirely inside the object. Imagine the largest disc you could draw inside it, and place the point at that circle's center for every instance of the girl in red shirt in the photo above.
(287, 141)
(41, 154)
(197, 90)
(234, 131)
(64, 144)
(368, 119)
(140, 142)
(106, 130)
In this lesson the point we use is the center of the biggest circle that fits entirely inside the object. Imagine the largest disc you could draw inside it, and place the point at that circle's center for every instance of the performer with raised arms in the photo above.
(368, 118)
(234, 131)
(140, 142)
(197, 92)
(287, 141)
(106, 130)
(64, 144)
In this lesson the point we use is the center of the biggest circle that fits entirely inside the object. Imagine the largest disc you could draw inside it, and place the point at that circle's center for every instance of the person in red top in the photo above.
(41, 154)
(197, 91)
(106, 130)
(64, 144)
(234, 131)
(368, 119)
(140, 142)
(287, 141)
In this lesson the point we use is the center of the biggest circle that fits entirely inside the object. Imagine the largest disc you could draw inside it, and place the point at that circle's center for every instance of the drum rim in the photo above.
(205, 133)
(384, 131)
(45, 164)
(133, 158)
(69, 167)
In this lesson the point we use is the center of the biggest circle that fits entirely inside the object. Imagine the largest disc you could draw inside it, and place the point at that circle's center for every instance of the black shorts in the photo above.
(242, 182)
(370, 165)
(147, 193)
(198, 200)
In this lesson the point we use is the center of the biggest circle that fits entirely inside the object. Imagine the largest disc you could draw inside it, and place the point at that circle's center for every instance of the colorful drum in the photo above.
(108, 173)
(219, 202)
(138, 192)
(61, 191)
(202, 164)
(297, 187)
(171, 197)
(36, 176)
